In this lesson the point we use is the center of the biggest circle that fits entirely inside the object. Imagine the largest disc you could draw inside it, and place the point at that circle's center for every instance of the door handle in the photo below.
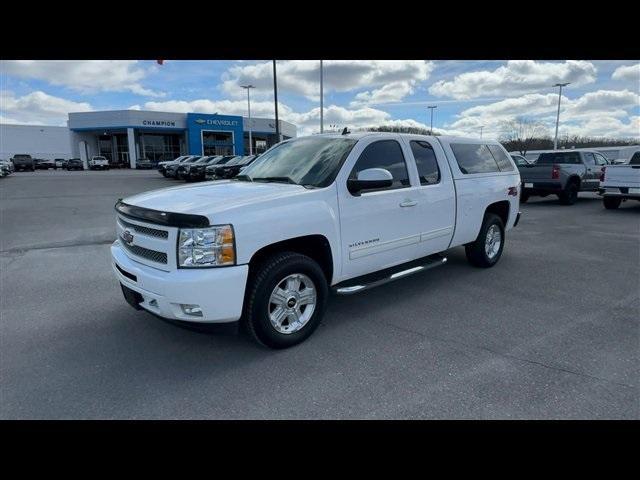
(409, 203)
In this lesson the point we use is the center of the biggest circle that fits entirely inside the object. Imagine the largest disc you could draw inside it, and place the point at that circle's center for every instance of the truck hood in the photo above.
(211, 197)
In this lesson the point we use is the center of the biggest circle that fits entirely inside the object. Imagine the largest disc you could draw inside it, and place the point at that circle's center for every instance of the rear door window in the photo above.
(426, 162)
(474, 158)
(635, 159)
(588, 158)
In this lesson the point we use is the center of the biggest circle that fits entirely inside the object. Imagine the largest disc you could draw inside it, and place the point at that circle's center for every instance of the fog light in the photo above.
(193, 310)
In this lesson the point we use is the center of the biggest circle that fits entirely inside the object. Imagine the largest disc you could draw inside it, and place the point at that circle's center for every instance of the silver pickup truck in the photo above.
(563, 173)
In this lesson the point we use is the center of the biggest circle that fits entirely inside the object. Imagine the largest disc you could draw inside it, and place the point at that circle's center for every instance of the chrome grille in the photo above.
(153, 255)
(152, 232)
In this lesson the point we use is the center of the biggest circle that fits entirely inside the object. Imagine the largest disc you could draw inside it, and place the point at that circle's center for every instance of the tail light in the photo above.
(555, 171)
(602, 172)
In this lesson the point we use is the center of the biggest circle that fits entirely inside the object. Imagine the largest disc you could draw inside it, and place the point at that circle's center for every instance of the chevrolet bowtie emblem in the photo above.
(127, 237)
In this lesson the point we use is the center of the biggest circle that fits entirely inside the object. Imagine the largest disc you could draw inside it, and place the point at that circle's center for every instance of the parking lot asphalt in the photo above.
(551, 332)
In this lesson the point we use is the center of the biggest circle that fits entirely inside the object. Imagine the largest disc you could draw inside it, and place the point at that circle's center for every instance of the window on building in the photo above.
(217, 143)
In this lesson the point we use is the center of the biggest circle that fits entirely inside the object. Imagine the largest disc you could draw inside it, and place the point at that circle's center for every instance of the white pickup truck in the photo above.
(620, 183)
(342, 212)
(98, 162)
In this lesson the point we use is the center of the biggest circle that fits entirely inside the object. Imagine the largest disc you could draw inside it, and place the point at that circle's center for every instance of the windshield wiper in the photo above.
(276, 180)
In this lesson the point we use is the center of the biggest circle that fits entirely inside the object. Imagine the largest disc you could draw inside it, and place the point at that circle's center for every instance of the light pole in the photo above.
(555, 140)
(275, 96)
(248, 89)
(481, 127)
(321, 99)
(431, 107)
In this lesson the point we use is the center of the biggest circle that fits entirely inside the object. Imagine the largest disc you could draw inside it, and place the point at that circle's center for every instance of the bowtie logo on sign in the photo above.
(200, 121)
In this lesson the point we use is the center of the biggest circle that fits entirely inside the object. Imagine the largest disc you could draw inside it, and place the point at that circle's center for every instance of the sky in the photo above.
(603, 98)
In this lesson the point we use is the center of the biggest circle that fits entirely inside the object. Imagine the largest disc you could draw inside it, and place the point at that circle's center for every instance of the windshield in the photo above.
(309, 161)
(559, 157)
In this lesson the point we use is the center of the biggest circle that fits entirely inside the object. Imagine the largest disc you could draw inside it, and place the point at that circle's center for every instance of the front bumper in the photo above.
(219, 292)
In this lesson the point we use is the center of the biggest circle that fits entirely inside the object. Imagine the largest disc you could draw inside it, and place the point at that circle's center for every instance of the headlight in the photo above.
(206, 247)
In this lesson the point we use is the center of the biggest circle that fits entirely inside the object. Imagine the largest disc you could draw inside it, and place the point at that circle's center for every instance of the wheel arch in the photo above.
(315, 246)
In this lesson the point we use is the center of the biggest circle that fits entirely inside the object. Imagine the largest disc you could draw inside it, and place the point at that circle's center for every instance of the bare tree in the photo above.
(521, 134)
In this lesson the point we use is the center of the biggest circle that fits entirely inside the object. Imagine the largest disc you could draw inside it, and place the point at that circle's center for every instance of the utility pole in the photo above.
(248, 89)
(275, 96)
(481, 127)
(321, 99)
(555, 140)
(431, 108)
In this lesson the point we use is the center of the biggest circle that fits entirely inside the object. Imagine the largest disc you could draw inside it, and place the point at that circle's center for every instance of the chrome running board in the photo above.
(368, 282)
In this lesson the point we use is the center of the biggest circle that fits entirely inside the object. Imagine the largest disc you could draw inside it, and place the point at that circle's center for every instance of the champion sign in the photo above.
(159, 123)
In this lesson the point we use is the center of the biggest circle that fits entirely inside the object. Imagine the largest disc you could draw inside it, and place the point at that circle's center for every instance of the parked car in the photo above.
(59, 163)
(44, 164)
(23, 162)
(171, 169)
(520, 161)
(209, 172)
(143, 164)
(620, 155)
(75, 164)
(620, 183)
(8, 165)
(232, 168)
(563, 173)
(162, 165)
(98, 162)
(183, 168)
(195, 172)
(5, 169)
(342, 212)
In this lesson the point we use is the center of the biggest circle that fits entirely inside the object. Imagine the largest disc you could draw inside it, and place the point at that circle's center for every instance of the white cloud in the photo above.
(303, 77)
(517, 77)
(85, 76)
(38, 108)
(629, 73)
(583, 113)
(307, 122)
(603, 126)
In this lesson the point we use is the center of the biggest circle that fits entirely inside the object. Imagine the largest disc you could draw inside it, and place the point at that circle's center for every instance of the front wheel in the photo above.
(611, 203)
(487, 248)
(285, 301)
(569, 195)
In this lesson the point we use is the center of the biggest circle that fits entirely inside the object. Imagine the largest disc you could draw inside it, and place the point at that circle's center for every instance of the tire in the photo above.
(524, 197)
(611, 203)
(570, 194)
(477, 252)
(275, 272)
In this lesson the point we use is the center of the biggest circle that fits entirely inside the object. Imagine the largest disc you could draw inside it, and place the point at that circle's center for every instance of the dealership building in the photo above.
(123, 136)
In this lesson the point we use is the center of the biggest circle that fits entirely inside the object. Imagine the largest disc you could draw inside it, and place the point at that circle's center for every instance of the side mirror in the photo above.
(368, 179)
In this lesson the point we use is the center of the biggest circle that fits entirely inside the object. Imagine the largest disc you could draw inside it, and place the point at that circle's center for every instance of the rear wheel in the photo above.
(570, 194)
(611, 203)
(487, 249)
(285, 301)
